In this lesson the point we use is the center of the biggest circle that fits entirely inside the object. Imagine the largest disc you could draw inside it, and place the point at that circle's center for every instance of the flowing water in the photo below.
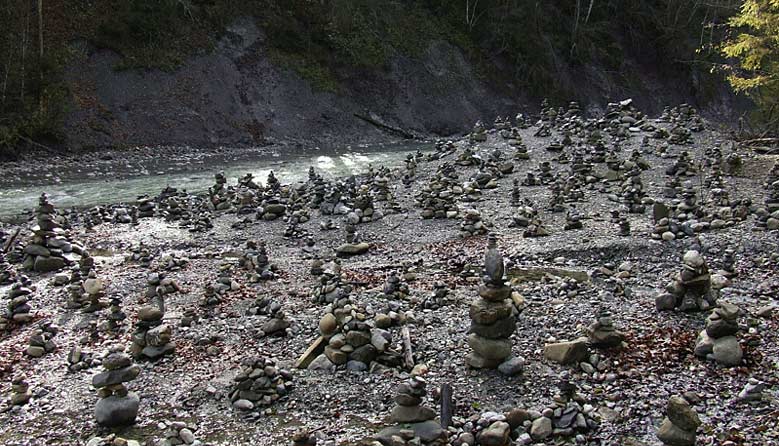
(288, 168)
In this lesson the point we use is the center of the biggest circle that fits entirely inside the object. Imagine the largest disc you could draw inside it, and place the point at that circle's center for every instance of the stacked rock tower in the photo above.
(493, 317)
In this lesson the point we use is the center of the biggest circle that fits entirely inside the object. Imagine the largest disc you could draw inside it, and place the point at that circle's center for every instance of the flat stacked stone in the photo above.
(112, 440)
(116, 316)
(46, 251)
(117, 407)
(718, 341)
(602, 332)
(18, 310)
(691, 289)
(157, 284)
(259, 383)
(680, 424)
(42, 340)
(219, 194)
(493, 316)
(151, 338)
(77, 297)
(20, 391)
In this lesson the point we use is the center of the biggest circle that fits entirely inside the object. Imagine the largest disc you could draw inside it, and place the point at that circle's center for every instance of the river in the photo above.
(78, 190)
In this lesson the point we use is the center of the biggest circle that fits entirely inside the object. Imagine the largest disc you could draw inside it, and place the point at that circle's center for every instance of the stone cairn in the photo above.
(691, 289)
(438, 198)
(680, 423)
(255, 259)
(20, 391)
(437, 298)
(151, 338)
(41, 340)
(394, 288)
(493, 316)
(178, 433)
(414, 422)
(259, 383)
(277, 322)
(18, 310)
(141, 254)
(45, 252)
(718, 341)
(116, 407)
(94, 289)
(145, 206)
(473, 224)
(355, 340)
(79, 360)
(602, 332)
(7, 272)
(116, 316)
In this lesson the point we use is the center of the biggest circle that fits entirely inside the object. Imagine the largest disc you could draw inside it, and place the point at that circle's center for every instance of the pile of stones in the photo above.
(178, 433)
(680, 424)
(42, 340)
(255, 259)
(277, 322)
(142, 254)
(438, 198)
(46, 251)
(414, 422)
(18, 310)
(472, 223)
(116, 407)
(214, 292)
(259, 383)
(438, 298)
(394, 288)
(331, 289)
(80, 360)
(493, 315)
(151, 338)
(20, 391)
(173, 262)
(159, 285)
(479, 133)
(7, 272)
(718, 341)
(602, 332)
(145, 206)
(94, 290)
(111, 440)
(354, 339)
(691, 289)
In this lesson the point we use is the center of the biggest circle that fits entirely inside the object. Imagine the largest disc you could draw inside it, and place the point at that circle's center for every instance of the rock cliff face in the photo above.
(236, 94)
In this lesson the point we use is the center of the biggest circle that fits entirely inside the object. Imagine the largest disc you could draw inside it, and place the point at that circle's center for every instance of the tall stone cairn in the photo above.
(493, 317)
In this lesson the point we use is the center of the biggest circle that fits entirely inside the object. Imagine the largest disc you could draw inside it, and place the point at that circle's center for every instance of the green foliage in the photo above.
(755, 47)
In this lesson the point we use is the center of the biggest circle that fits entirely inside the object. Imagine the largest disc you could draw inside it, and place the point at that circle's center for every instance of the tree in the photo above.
(755, 48)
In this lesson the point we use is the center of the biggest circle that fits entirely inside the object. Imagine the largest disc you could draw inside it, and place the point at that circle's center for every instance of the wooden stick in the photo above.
(408, 354)
(10, 241)
(446, 405)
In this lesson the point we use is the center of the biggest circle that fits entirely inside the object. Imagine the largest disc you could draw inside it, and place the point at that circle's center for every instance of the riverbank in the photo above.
(623, 274)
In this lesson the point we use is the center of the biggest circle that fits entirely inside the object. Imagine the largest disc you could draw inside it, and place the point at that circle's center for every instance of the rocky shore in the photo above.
(362, 310)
